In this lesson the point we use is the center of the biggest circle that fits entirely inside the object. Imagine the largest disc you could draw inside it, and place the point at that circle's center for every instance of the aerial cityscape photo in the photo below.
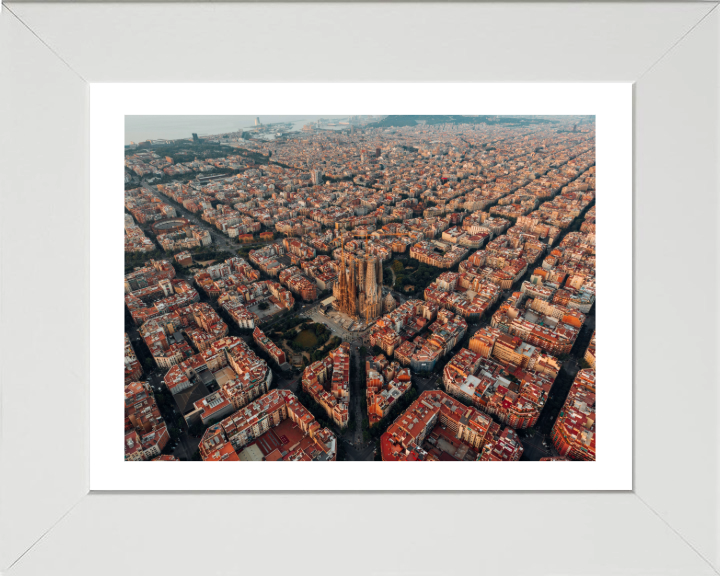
(389, 288)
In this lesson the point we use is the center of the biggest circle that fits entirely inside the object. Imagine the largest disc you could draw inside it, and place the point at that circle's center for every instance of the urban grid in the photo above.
(391, 288)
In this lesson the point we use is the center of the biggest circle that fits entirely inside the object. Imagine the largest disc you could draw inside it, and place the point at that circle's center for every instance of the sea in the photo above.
(141, 128)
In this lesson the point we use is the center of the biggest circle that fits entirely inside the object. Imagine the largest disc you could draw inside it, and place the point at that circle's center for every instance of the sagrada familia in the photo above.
(358, 291)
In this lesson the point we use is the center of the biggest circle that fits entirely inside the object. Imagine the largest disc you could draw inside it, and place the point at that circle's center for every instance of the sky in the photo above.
(140, 128)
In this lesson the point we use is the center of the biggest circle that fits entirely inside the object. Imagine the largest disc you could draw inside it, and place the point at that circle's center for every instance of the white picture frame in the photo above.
(668, 523)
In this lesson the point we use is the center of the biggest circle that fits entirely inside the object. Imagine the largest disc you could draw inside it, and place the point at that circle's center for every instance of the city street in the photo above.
(357, 392)
(432, 382)
(186, 447)
(291, 384)
(536, 447)
(358, 452)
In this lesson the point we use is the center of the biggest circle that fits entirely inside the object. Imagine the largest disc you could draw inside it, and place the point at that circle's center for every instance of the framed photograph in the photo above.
(364, 279)
(403, 373)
